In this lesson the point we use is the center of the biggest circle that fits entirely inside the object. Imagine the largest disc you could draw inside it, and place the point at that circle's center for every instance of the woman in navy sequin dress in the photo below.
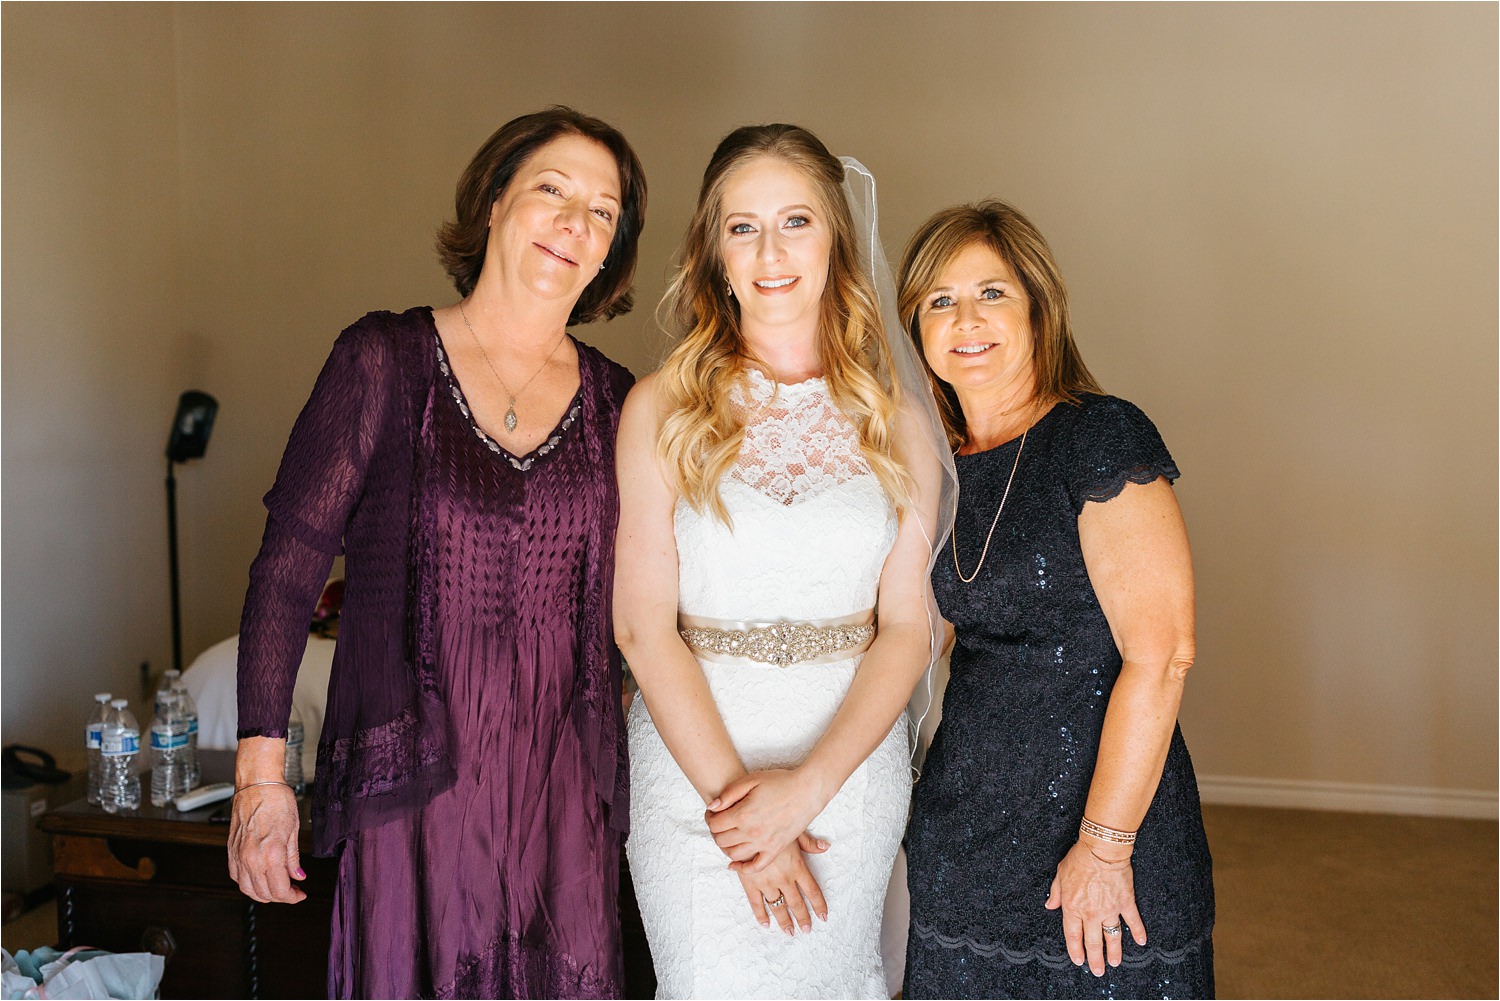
(1056, 846)
(471, 773)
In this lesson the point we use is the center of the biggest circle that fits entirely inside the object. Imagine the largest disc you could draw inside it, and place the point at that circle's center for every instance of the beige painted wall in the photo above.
(1278, 223)
(92, 364)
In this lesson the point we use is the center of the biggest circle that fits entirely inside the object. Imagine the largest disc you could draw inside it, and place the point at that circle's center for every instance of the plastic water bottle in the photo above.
(169, 748)
(93, 740)
(120, 748)
(169, 679)
(189, 710)
(295, 736)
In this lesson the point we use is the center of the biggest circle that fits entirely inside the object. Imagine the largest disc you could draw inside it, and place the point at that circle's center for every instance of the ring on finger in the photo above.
(1113, 929)
(780, 901)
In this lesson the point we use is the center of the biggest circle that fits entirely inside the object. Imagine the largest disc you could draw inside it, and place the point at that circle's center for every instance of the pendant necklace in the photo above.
(510, 414)
(985, 552)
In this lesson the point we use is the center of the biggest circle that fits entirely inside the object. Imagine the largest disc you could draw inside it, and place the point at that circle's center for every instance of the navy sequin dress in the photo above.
(1005, 783)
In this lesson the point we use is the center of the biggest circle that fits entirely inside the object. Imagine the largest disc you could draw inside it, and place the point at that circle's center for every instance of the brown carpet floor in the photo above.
(1311, 905)
(1352, 905)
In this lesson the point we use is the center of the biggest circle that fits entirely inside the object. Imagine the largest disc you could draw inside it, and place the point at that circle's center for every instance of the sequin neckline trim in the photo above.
(523, 463)
(959, 456)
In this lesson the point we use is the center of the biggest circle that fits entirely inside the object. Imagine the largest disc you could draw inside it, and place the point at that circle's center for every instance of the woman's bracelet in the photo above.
(1113, 862)
(267, 782)
(1103, 833)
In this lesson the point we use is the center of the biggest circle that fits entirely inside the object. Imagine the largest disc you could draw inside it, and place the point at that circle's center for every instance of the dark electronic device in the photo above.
(192, 426)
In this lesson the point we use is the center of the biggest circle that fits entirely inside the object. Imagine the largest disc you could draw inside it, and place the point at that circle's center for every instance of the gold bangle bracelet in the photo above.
(1109, 861)
(267, 782)
(1103, 833)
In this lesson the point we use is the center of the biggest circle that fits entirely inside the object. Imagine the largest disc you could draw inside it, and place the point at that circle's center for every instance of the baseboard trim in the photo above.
(1354, 797)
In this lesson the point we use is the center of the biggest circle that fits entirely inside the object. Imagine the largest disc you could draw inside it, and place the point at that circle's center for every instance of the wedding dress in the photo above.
(811, 531)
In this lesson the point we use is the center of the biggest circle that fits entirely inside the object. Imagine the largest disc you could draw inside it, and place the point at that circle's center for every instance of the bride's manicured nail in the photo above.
(714, 805)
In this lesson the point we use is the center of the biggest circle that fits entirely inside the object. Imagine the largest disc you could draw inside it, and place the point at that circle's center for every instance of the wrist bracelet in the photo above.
(1107, 861)
(1103, 833)
(267, 782)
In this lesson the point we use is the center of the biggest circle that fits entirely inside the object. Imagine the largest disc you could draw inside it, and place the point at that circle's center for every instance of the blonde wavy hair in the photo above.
(702, 433)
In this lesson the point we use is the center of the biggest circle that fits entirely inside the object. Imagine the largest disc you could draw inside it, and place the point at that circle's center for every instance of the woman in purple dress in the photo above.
(471, 774)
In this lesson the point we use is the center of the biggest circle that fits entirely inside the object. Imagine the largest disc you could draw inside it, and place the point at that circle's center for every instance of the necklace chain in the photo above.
(1003, 497)
(511, 420)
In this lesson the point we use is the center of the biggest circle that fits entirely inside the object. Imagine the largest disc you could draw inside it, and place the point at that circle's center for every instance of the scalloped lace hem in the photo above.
(1110, 488)
(1057, 960)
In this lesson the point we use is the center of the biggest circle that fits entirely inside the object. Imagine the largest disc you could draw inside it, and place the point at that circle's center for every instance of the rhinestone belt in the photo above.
(781, 644)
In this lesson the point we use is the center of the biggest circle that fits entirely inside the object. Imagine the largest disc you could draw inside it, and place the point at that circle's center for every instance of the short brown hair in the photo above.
(461, 243)
(1059, 369)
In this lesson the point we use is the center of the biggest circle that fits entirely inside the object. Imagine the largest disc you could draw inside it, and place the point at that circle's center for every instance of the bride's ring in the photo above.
(778, 902)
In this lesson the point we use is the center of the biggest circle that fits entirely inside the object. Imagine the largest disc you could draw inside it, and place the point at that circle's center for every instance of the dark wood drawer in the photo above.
(158, 881)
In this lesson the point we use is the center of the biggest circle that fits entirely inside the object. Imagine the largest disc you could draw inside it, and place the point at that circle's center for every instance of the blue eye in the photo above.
(941, 302)
(798, 221)
(740, 228)
(992, 294)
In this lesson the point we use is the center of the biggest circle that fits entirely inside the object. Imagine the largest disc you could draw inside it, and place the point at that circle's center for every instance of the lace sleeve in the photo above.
(600, 673)
(285, 581)
(317, 487)
(1113, 444)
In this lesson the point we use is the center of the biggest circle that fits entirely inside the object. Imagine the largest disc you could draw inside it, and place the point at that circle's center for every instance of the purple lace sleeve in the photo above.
(285, 581)
(600, 669)
(317, 487)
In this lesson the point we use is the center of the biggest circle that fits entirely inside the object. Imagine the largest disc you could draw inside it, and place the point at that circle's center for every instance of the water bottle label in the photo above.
(192, 724)
(127, 742)
(93, 736)
(169, 738)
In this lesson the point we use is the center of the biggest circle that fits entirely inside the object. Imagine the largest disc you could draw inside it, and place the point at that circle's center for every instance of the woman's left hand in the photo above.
(1095, 894)
(756, 817)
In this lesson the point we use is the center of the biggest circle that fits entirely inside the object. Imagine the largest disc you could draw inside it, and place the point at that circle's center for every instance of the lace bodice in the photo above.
(811, 524)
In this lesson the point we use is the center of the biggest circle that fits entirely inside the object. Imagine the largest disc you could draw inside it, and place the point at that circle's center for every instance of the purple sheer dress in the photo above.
(470, 776)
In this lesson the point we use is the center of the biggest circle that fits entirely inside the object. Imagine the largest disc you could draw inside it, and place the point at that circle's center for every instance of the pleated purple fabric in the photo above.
(471, 773)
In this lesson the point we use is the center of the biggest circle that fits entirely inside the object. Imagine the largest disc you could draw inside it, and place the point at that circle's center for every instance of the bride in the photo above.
(781, 488)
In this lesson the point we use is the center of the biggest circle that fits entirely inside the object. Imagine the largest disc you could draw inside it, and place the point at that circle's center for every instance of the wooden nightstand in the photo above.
(158, 880)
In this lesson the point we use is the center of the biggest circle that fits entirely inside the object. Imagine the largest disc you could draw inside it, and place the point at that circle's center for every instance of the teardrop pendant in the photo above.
(510, 419)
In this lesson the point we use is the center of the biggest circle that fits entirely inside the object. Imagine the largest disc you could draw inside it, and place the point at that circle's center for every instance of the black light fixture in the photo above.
(190, 430)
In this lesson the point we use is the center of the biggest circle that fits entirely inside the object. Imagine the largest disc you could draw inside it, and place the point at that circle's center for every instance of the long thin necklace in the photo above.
(986, 551)
(511, 420)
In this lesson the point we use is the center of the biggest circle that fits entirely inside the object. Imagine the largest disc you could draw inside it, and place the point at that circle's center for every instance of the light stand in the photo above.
(190, 430)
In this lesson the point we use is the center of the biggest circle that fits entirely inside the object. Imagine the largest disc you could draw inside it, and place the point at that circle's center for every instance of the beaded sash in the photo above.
(780, 644)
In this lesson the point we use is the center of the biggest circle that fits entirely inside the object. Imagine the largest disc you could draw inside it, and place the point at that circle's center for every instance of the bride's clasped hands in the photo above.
(758, 816)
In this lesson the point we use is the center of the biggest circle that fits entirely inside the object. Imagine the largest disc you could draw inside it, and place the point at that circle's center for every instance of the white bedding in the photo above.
(211, 680)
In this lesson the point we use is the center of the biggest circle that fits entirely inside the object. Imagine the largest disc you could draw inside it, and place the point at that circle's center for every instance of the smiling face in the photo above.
(976, 327)
(551, 228)
(775, 241)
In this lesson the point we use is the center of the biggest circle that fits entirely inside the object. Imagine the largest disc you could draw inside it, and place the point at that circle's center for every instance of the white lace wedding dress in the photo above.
(811, 530)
